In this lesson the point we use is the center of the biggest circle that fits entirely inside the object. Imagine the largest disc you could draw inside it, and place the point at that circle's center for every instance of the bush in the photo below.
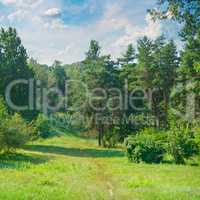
(160, 135)
(14, 133)
(196, 130)
(146, 147)
(43, 126)
(182, 143)
(111, 138)
(3, 110)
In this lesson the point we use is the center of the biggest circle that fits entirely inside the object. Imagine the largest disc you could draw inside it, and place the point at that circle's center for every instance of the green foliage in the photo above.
(129, 56)
(94, 50)
(59, 75)
(182, 143)
(111, 137)
(14, 133)
(147, 146)
(185, 12)
(196, 131)
(13, 66)
(43, 126)
(3, 110)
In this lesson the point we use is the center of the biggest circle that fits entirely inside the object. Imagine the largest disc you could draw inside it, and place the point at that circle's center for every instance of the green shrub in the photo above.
(145, 147)
(43, 126)
(160, 135)
(196, 130)
(33, 131)
(3, 110)
(14, 133)
(182, 143)
(111, 138)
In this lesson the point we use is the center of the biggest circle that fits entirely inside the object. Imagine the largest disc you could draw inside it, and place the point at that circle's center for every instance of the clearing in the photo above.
(74, 168)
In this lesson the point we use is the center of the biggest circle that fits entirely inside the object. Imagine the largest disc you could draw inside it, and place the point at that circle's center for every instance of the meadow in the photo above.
(72, 167)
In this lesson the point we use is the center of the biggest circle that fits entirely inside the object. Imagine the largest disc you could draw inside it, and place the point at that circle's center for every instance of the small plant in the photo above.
(196, 130)
(3, 110)
(182, 143)
(145, 147)
(43, 126)
(14, 133)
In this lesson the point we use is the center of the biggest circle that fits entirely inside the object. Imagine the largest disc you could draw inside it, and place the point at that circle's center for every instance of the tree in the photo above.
(157, 64)
(145, 63)
(128, 82)
(129, 56)
(146, 71)
(40, 72)
(167, 62)
(60, 75)
(98, 74)
(185, 12)
(13, 66)
(94, 50)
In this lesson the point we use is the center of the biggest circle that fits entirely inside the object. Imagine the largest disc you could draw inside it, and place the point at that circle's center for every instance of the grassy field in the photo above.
(74, 168)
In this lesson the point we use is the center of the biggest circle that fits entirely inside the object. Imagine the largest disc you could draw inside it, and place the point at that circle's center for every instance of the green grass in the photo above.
(74, 168)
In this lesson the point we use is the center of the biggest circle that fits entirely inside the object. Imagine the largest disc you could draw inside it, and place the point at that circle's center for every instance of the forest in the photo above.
(131, 123)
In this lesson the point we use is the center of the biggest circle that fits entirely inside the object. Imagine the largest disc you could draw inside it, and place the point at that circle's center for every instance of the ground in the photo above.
(74, 168)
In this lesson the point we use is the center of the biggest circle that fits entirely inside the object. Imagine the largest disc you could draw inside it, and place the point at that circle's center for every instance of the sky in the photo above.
(62, 29)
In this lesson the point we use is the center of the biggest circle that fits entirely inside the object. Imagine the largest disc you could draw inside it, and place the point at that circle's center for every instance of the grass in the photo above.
(74, 168)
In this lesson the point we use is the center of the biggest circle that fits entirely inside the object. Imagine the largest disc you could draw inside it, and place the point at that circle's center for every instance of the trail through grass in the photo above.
(74, 168)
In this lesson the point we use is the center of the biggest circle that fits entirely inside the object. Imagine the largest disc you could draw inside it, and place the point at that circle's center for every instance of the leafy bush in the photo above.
(14, 133)
(182, 143)
(3, 110)
(196, 131)
(43, 126)
(160, 135)
(145, 146)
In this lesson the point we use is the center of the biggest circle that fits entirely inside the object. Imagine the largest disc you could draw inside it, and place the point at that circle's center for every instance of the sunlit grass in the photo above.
(71, 167)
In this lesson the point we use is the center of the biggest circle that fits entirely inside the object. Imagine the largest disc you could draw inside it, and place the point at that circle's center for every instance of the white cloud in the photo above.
(49, 38)
(8, 1)
(19, 14)
(129, 31)
(55, 24)
(133, 32)
(22, 3)
(52, 12)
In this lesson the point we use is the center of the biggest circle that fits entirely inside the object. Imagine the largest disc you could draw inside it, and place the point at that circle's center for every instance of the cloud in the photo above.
(114, 30)
(52, 12)
(19, 14)
(133, 32)
(55, 24)
(7, 2)
(123, 30)
(22, 3)
(48, 37)
(2, 18)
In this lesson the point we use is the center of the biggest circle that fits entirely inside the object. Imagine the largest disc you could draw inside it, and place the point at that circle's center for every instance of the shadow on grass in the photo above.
(13, 161)
(75, 152)
(72, 132)
(172, 162)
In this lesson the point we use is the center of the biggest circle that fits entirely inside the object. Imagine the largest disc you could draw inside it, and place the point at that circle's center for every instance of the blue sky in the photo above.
(62, 29)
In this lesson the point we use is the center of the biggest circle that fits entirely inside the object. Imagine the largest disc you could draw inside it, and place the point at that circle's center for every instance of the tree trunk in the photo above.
(165, 96)
(99, 139)
(100, 136)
